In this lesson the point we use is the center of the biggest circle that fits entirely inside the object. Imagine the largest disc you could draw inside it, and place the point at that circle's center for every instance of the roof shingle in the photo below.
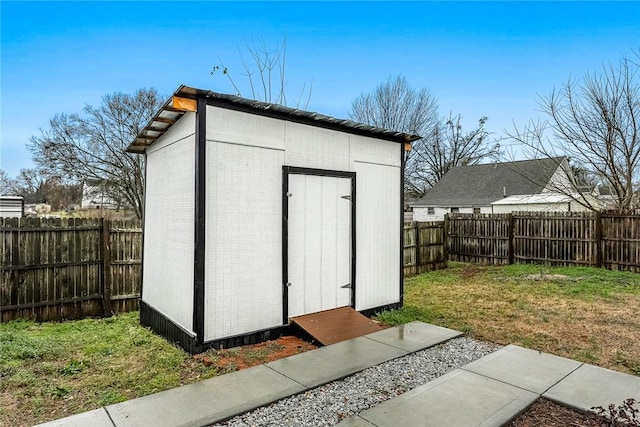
(479, 185)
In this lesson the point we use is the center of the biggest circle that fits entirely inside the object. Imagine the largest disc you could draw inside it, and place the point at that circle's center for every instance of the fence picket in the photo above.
(53, 269)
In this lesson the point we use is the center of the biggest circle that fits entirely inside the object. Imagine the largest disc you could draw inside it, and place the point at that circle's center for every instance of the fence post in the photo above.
(416, 230)
(510, 236)
(445, 232)
(598, 239)
(106, 267)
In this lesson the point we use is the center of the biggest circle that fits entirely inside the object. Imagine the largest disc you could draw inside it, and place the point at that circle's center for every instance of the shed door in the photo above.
(319, 243)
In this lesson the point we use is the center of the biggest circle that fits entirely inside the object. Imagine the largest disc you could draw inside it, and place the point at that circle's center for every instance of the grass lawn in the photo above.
(588, 314)
(52, 370)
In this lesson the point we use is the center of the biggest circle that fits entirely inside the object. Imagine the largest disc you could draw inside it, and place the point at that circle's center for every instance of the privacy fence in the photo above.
(424, 248)
(585, 239)
(52, 269)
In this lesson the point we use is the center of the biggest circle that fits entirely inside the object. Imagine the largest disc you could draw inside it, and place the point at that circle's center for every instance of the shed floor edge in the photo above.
(172, 332)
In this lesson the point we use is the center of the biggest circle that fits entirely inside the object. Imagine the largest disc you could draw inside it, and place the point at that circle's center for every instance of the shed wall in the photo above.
(243, 270)
(244, 129)
(377, 235)
(245, 154)
(317, 148)
(169, 224)
(375, 151)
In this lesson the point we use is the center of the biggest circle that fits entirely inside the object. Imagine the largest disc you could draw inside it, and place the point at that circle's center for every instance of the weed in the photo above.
(60, 391)
(109, 397)
(633, 366)
(406, 314)
(623, 415)
(73, 367)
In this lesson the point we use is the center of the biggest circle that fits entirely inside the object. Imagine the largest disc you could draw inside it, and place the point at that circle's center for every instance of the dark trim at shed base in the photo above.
(174, 333)
(164, 327)
(370, 312)
(249, 338)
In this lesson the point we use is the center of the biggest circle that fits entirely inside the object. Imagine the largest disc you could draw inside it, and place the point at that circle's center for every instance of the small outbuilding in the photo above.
(256, 213)
(11, 206)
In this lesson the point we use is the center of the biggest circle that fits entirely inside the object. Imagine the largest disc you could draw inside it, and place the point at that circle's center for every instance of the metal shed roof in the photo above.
(170, 113)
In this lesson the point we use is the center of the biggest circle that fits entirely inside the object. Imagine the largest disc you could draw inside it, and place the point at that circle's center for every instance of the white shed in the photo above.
(11, 206)
(256, 213)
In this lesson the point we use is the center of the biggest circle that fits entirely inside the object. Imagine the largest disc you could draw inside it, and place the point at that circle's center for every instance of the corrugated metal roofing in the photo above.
(168, 115)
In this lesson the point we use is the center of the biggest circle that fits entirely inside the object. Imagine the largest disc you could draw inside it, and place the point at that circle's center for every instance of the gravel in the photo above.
(329, 404)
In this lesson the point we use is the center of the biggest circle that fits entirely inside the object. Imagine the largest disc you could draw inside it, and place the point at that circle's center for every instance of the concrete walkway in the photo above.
(487, 392)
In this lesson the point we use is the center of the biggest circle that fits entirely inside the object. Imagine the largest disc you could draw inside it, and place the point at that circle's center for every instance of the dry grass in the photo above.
(585, 314)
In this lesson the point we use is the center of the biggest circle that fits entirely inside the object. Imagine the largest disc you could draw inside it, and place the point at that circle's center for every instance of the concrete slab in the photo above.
(590, 386)
(207, 401)
(524, 368)
(457, 399)
(95, 418)
(355, 421)
(414, 336)
(336, 361)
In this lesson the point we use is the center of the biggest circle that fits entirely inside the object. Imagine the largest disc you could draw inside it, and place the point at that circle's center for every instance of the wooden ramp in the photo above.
(338, 324)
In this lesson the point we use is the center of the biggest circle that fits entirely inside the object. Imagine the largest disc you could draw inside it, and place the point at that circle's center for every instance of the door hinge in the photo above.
(348, 285)
(347, 197)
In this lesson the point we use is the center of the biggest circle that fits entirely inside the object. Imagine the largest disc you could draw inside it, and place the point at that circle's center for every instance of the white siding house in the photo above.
(282, 213)
(528, 185)
(95, 195)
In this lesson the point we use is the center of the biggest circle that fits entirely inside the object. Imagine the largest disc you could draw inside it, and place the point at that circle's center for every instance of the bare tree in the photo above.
(596, 123)
(7, 184)
(447, 147)
(265, 74)
(37, 188)
(91, 145)
(395, 105)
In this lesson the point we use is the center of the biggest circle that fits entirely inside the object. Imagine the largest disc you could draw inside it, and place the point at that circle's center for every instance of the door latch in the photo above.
(347, 197)
(347, 286)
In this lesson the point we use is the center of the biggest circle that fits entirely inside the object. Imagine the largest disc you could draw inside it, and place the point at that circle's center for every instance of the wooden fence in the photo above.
(64, 269)
(424, 248)
(53, 269)
(587, 239)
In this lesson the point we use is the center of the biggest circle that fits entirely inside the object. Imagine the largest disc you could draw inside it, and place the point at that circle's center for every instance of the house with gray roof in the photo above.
(527, 185)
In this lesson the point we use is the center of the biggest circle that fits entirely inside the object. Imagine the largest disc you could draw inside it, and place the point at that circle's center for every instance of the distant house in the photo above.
(528, 185)
(11, 206)
(96, 195)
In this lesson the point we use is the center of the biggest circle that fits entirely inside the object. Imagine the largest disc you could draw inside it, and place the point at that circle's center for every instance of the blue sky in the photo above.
(478, 58)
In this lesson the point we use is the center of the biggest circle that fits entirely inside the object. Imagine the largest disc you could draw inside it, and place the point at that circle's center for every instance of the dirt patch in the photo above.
(470, 271)
(234, 359)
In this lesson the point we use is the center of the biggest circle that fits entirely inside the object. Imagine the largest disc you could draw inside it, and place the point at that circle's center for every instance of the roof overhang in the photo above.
(183, 101)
